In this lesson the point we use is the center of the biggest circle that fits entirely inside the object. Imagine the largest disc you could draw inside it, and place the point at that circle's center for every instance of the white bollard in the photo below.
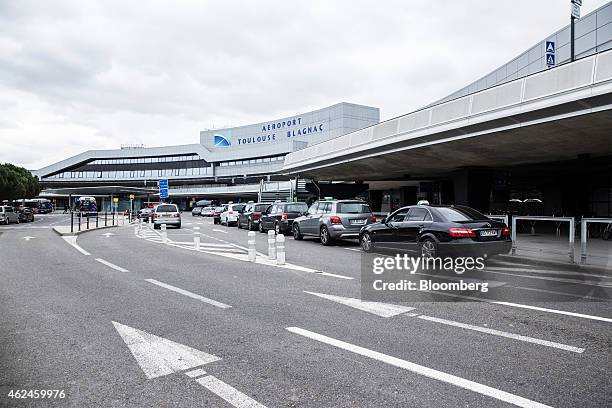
(136, 229)
(196, 238)
(151, 222)
(252, 251)
(271, 245)
(164, 234)
(280, 249)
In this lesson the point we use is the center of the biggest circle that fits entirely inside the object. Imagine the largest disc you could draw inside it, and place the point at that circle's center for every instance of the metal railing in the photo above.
(85, 221)
(570, 220)
(584, 234)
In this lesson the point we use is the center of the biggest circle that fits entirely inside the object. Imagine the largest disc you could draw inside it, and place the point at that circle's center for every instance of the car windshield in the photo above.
(353, 208)
(458, 214)
(297, 207)
(261, 207)
(166, 208)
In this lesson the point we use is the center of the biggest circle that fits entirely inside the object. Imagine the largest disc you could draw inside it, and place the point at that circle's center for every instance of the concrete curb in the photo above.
(64, 234)
(557, 264)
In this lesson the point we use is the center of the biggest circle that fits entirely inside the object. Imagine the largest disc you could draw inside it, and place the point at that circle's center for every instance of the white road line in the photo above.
(189, 294)
(377, 308)
(111, 265)
(218, 230)
(521, 306)
(503, 334)
(353, 249)
(422, 370)
(547, 278)
(228, 393)
(544, 272)
(195, 373)
(554, 292)
(71, 239)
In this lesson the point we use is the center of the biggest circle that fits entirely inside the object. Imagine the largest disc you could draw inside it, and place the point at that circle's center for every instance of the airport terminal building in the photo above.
(531, 130)
(227, 164)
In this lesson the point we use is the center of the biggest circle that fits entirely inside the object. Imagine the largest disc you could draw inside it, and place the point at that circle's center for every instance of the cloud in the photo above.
(77, 75)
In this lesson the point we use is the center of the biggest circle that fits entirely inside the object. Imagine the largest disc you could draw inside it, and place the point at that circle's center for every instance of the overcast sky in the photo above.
(78, 75)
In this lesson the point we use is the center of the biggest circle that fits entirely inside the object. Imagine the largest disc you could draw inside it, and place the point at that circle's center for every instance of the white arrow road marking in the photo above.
(228, 393)
(28, 238)
(504, 334)
(108, 234)
(187, 293)
(158, 356)
(111, 265)
(422, 370)
(377, 308)
(71, 239)
(218, 230)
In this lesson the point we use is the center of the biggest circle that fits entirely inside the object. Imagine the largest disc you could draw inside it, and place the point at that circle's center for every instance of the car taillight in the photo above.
(176, 215)
(461, 232)
(255, 215)
(506, 232)
(334, 219)
(373, 219)
(284, 216)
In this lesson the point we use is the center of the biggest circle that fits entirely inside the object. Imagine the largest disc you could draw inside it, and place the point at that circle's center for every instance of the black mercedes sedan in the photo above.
(437, 231)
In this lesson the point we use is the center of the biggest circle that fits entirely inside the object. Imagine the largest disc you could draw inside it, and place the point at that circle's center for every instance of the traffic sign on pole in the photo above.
(550, 53)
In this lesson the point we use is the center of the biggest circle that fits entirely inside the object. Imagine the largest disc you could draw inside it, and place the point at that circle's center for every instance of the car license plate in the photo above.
(358, 222)
(488, 233)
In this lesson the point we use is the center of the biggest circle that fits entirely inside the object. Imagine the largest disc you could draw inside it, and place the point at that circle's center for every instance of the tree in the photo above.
(17, 182)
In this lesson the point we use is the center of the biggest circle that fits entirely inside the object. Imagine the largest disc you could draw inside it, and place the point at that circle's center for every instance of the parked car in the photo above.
(145, 214)
(168, 214)
(280, 216)
(217, 214)
(207, 211)
(432, 231)
(250, 215)
(196, 211)
(333, 219)
(8, 215)
(25, 214)
(230, 213)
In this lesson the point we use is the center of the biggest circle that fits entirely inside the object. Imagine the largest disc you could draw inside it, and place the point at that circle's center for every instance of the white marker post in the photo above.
(164, 234)
(196, 238)
(271, 245)
(252, 251)
(151, 222)
(280, 249)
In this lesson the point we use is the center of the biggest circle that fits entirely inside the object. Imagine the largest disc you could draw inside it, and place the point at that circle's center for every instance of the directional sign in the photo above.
(158, 357)
(550, 53)
(576, 10)
(163, 183)
(163, 193)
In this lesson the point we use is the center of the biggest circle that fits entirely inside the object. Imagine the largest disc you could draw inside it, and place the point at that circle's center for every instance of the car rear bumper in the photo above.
(167, 221)
(341, 232)
(465, 247)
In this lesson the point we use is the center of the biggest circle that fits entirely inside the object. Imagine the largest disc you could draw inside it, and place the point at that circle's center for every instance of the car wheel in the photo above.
(277, 229)
(428, 248)
(324, 236)
(261, 227)
(297, 235)
(366, 242)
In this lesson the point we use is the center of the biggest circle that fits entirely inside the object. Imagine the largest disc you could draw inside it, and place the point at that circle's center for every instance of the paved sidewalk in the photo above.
(551, 248)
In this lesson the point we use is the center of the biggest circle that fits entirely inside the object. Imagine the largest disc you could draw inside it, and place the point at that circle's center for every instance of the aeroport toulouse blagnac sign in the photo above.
(270, 132)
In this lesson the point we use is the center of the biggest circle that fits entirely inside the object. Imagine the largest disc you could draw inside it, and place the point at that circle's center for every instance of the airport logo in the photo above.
(222, 140)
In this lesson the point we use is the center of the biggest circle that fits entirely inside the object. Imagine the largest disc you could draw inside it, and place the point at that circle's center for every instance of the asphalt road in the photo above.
(123, 325)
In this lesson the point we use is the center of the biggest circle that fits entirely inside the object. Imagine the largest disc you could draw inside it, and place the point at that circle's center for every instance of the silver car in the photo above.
(333, 219)
(168, 214)
(8, 215)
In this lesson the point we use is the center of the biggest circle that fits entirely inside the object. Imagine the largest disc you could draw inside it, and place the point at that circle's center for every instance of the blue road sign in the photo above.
(163, 193)
(163, 183)
(550, 53)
